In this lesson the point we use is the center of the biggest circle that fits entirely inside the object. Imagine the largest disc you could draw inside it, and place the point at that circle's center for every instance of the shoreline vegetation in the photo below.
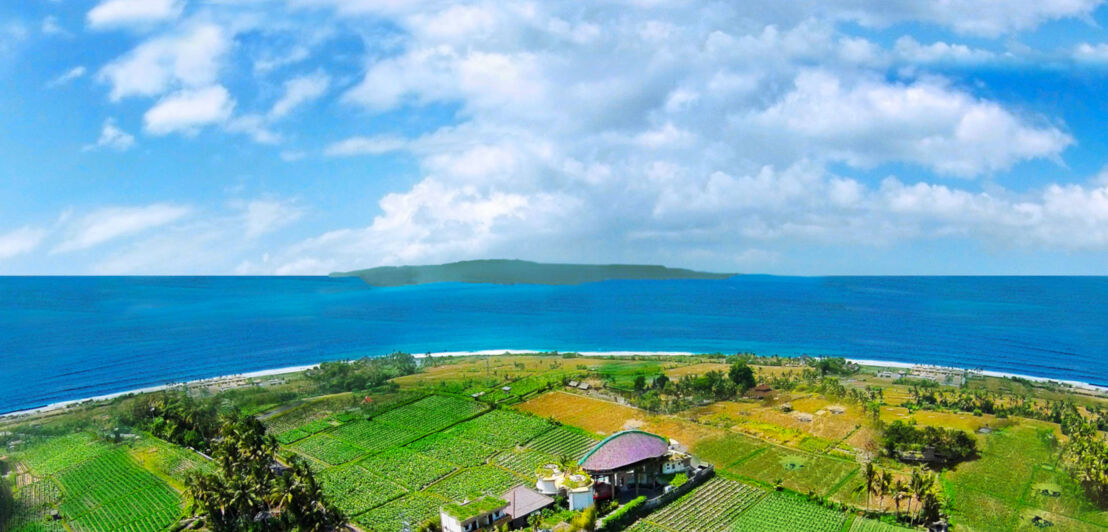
(223, 380)
(502, 271)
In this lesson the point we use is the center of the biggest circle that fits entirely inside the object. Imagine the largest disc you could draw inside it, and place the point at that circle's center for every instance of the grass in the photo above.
(727, 450)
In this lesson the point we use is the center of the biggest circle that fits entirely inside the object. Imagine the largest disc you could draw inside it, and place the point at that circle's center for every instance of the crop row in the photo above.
(450, 447)
(292, 436)
(778, 512)
(33, 504)
(710, 507)
(48, 457)
(328, 449)
(473, 482)
(432, 413)
(372, 436)
(176, 462)
(869, 525)
(563, 441)
(525, 461)
(354, 489)
(502, 429)
(411, 510)
(141, 511)
(111, 476)
(407, 468)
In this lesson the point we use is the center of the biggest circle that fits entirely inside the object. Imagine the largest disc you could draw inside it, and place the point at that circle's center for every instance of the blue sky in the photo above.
(308, 136)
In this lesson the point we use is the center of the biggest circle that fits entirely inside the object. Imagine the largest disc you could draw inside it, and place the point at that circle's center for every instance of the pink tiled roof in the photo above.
(623, 449)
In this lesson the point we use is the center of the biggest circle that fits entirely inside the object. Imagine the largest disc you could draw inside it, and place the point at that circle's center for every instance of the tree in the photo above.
(640, 383)
(871, 480)
(251, 492)
(7, 502)
(660, 382)
(742, 376)
(900, 491)
(585, 520)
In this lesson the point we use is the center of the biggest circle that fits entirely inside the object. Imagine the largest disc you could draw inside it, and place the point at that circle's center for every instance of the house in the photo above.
(625, 459)
(575, 485)
(524, 502)
(572, 384)
(760, 391)
(583, 386)
(482, 513)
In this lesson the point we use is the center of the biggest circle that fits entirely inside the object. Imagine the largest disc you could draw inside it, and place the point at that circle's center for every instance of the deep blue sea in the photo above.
(74, 337)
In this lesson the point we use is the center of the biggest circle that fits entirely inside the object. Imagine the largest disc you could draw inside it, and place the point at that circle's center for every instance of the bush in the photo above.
(625, 515)
(679, 480)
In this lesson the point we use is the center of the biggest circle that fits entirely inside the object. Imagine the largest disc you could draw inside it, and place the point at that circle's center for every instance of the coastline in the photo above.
(500, 352)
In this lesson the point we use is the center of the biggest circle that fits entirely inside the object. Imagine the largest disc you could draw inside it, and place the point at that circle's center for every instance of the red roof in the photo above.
(623, 449)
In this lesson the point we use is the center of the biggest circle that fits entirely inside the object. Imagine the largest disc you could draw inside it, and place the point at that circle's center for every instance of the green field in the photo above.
(727, 450)
(449, 446)
(408, 468)
(796, 470)
(869, 525)
(564, 441)
(777, 512)
(715, 505)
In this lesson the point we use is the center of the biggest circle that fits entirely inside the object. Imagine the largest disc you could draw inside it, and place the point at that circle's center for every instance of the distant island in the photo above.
(500, 271)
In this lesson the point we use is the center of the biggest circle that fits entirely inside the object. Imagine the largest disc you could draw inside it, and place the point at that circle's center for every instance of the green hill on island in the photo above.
(499, 271)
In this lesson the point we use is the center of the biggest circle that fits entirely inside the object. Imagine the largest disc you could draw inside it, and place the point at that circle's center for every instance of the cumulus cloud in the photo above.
(365, 146)
(113, 138)
(189, 58)
(188, 110)
(20, 241)
(911, 50)
(1091, 53)
(868, 122)
(964, 16)
(104, 225)
(133, 13)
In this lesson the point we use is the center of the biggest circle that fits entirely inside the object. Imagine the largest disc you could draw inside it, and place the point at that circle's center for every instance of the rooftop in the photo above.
(623, 449)
(523, 500)
(475, 508)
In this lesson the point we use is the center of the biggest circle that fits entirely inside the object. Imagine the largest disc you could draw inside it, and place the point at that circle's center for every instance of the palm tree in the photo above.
(871, 477)
(916, 487)
(900, 491)
(885, 485)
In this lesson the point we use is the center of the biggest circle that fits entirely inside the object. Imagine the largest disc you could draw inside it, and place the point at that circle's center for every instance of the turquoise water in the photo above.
(75, 337)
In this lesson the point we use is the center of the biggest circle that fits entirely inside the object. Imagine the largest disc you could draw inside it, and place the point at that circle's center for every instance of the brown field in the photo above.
(696, 369)
(604, 418)
(771, 423)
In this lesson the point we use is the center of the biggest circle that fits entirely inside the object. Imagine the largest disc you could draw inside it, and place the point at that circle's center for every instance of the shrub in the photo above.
(679, 480)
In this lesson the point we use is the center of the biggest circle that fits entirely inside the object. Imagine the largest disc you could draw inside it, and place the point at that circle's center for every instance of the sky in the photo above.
(289, 137)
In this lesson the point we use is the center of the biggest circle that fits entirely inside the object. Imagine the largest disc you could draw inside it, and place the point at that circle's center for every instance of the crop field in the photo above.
(710, 507)
(503, 429)
(327, 449)
(869, 525)
(523, 461)
(1069, 500)
(411, 509)
(371, 436)
(593, 415)
(777, 512)
(317, 426)
(564, 441)
(292, 436)
(432, 413)
(794, 470)
(450, 447)
(308, 412)
(170, 460)
(408, 468)
(727, 450)
(49, 457)
(486, 480)
(33, 504)
(354, 489)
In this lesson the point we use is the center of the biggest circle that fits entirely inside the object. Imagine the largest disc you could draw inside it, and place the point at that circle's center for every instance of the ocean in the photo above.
(65, 338)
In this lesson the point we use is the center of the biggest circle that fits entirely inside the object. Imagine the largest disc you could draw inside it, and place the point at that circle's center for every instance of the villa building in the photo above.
(482, 513)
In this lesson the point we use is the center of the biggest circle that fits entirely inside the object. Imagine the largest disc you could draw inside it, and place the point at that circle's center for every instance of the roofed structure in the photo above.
(523, 501)
(624, 449)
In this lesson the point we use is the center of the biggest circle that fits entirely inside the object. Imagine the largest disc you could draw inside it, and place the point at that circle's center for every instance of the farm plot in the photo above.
(372, 436)
(432, 413)
(708, 508)
(564, 441)
(524, 461)
(486, 480)
(291, 436)
(727, 450)
(53, 455)
(777, 512)
(170, 460)
(308, 412)
(33, 504)
(353, 489)
(412, 510)
(111, 492)
(450, 447)
(862, 524)
(408, 468)
(798, 471)
(502, 429)
(327, 449)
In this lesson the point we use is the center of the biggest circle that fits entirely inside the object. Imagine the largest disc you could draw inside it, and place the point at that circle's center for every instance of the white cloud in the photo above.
(254, 126)
(20, 241)
(188, 110)
(1091, 53)
(867, 122)
(113, 138)
(133, 13)
(67, 76)
(111, 223)
(263, 216)
(298, 91)
(912, 51)
(365, 146)
(975, 17)
(189, 58)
